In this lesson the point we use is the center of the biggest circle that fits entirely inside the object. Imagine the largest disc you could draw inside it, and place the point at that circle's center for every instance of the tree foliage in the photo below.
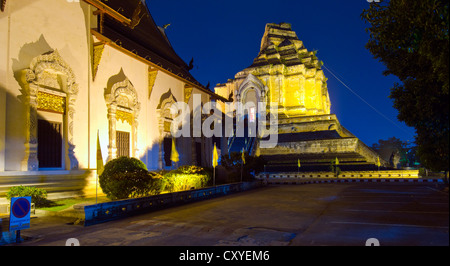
(411, 39)
(404, 150)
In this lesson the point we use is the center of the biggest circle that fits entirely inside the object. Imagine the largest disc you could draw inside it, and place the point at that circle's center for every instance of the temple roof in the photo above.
(141, 36)
(280, 45)
(2, 5)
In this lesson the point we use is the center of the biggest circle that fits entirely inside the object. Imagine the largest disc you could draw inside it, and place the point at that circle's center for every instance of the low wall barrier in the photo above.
(355, 180)
(399, 176)
(103, 212)
(390, 174)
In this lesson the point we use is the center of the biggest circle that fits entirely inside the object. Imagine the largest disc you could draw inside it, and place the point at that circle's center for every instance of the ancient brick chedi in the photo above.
(287, 74)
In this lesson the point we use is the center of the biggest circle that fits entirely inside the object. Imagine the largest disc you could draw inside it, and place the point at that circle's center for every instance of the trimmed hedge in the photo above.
(126, 177)
(38, 195)
(185, 178)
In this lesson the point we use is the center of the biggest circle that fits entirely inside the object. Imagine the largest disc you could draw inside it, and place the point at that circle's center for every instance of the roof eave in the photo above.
(112, 44)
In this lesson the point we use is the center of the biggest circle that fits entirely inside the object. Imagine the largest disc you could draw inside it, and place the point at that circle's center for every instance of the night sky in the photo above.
(224, 37)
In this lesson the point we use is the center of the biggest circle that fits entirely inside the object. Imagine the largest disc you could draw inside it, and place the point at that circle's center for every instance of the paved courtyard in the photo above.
(276, 215)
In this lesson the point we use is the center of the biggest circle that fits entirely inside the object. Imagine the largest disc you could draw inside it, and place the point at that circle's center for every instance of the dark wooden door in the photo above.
(123, 143)
(167, 151)
(49, 144)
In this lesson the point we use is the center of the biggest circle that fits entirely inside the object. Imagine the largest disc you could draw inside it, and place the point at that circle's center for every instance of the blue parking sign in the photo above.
(19, 217)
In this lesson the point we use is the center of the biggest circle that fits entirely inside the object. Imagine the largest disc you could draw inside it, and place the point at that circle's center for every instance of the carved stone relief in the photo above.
(187, 93)
(51, 102)
(97, 56)
(122, 103)
(165, 119)
(152, 73)
(48, 70)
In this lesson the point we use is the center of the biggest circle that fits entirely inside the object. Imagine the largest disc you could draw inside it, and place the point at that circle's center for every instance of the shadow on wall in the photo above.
(152, 159)
(12, 138)
(15, 108)
(184, 147)
(151, 156)
(119, 77)
(44, 133)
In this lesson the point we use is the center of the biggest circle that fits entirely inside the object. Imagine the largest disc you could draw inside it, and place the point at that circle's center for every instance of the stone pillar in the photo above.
(161, 139)
(2, 129)
(30, 161)
(112, 147)
(160, 154)
(134, 132)
(70, 147)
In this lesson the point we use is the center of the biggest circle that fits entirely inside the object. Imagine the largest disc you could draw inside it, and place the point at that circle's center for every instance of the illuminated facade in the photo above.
(285, 73)
(70, 69)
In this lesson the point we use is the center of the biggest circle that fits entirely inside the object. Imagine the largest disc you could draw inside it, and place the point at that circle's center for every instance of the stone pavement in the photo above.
(277, 215)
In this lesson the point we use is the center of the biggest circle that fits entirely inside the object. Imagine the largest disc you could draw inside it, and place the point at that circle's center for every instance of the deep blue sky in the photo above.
(224, 37)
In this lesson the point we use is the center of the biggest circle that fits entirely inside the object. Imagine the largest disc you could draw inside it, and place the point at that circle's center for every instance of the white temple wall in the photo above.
(2, 129)
(115, 67)
(30, 28)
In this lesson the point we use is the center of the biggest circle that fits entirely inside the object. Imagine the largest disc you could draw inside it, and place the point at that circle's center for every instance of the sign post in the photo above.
(19, 217)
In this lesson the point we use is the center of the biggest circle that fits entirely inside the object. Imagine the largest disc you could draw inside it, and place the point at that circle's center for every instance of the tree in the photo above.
(405, 151)
(392, 150)
(411, 39)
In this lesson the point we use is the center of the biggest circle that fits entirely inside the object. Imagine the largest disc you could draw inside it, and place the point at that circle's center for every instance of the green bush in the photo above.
(185, 178)
(125, 177)
(422, 172)
(156, 184)
(38, 195)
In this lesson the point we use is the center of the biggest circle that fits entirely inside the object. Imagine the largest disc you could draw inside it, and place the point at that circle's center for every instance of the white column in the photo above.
(71, 160)
(30, 161)
(112, 148)
(2, 129)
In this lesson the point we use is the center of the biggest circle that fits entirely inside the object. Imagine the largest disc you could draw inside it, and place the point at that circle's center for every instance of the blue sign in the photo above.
(19, 217)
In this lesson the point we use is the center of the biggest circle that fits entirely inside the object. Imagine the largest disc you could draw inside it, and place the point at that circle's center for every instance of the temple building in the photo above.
(285, 74)
(72, 70)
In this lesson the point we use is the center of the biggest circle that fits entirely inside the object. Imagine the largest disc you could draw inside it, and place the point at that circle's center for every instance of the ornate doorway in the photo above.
(123, 106)
(50, 88)
(165, 121)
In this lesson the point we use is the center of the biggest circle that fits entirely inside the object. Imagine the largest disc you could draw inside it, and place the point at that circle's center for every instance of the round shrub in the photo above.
(125, 177)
